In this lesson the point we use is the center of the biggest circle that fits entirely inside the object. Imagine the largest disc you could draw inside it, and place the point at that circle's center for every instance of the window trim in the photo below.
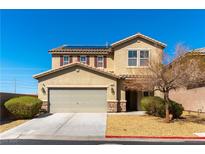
(148, 93)
(144, 58)
(64, 60)
(101, 61)
(86, 59)
(138, 57)
(132, 58)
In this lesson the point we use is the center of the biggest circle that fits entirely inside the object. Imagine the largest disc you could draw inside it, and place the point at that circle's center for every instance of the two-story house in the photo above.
(91, 78)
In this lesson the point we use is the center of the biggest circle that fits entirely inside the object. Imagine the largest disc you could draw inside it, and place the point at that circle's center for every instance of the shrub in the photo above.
(149, 99)
(159, 109)
(23, 106)
(156, 106)
(176, 109)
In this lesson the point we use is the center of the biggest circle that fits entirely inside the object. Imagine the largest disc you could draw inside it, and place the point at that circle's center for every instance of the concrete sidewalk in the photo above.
(202, 134)
(60, 125)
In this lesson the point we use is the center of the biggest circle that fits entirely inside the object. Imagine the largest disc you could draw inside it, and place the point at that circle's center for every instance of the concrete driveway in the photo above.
(60, 126)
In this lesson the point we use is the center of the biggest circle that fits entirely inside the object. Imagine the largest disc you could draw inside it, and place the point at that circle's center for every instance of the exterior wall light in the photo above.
(112, 85)
(43, 90)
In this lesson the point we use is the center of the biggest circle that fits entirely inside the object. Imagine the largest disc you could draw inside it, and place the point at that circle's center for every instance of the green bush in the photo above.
(156, 106)
(176, 109)
(23, 106)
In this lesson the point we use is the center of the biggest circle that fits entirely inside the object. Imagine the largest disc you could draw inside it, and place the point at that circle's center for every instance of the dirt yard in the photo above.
(136, 125)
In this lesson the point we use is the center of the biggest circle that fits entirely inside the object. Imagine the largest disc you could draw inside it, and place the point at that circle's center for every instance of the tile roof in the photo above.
(201, 50)
(85, 47)
(196, 52)
(138, 83)
(96, 49)
(71, 65)
(123, 76)
(81, 49)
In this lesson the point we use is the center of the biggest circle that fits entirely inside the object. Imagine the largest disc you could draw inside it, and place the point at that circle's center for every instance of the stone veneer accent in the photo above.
(121, 107)
(45, 106)
(112, 106)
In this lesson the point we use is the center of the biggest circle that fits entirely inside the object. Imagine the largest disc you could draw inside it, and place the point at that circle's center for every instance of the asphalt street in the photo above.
(94, 142)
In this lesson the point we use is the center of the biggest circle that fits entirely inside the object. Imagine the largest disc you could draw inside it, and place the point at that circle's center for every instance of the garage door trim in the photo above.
(71, 87)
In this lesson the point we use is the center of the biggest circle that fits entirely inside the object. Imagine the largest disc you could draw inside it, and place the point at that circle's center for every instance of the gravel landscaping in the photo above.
(136, 125)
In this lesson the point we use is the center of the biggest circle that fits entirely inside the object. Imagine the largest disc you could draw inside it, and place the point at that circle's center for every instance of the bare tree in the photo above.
(180, 49)
(179, 73)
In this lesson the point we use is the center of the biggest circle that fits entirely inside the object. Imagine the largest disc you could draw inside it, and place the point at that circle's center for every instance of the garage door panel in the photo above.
(77, 100)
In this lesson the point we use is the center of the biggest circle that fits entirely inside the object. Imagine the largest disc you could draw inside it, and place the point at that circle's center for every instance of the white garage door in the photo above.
(77, 100)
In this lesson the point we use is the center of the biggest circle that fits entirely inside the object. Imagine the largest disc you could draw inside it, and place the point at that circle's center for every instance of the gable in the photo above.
(76, 75)
(137, 43)
(139, 36)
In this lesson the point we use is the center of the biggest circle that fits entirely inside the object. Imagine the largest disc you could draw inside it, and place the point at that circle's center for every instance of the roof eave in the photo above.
(163, 45)
(71, 65)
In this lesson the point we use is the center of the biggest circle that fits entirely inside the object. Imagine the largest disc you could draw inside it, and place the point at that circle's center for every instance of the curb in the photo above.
(157, 137)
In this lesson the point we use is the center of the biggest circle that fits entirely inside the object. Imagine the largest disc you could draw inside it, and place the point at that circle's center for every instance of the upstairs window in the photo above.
(132, 58)
(66, 60)
(138, 57)
(144, 57)
(83, 59)
(146, 93)
(100, 61)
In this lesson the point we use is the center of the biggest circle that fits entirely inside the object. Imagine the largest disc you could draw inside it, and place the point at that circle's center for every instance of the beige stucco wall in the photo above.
(110, 61)
(55, 61)
(158, 93)
(84, 78)
(75, 59)
(121, 91)
(117, 61)
(139, 97)
(121, 56)
(191, 99)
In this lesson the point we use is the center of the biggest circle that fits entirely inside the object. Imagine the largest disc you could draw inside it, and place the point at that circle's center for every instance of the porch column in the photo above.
(112, 98)
(122, 99)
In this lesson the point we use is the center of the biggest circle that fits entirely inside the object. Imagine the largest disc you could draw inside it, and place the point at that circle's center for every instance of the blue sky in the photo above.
(27, 35)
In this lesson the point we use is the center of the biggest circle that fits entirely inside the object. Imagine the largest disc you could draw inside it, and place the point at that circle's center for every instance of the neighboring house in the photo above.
(91, 78)
(193, 97)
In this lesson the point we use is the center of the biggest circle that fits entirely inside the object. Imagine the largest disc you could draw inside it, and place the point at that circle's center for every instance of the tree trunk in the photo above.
(166, 98)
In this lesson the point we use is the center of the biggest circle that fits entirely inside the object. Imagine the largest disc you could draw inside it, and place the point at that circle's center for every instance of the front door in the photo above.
(131, 97)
